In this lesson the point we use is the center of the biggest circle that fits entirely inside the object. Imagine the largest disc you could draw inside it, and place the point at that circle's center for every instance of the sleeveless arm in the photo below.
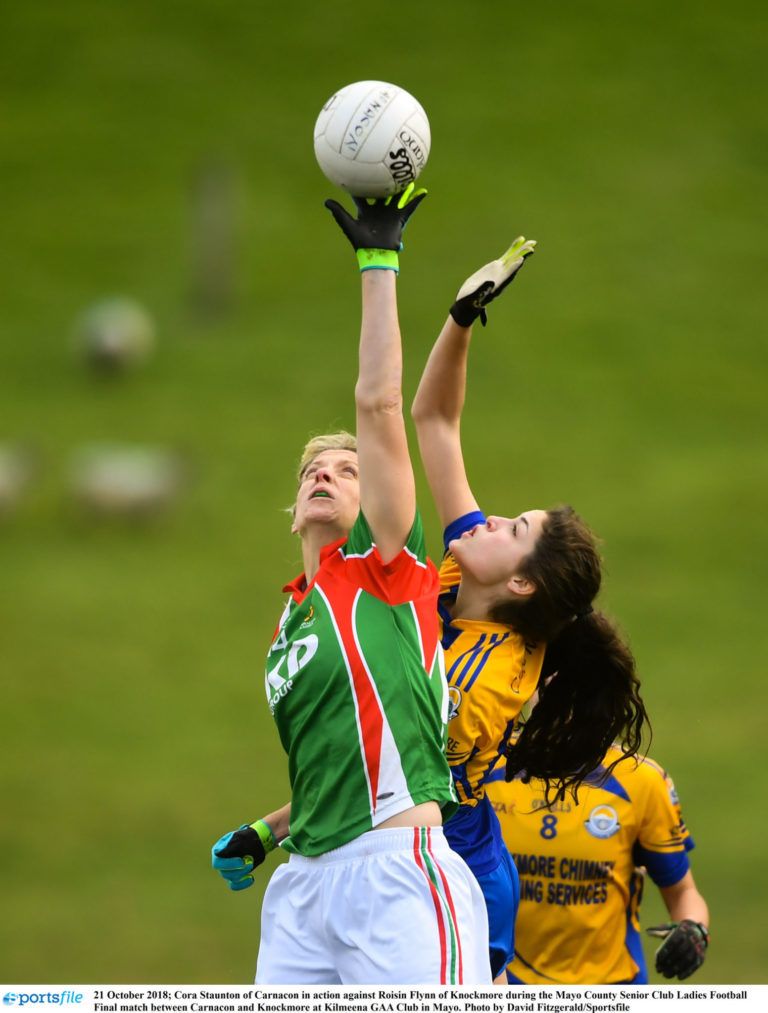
(387, 489)
(436, 412)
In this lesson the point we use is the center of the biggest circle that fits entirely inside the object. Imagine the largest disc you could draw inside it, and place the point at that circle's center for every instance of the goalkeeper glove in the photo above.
(683, 949)
(236, 854)
(376, 233)
(489, 282)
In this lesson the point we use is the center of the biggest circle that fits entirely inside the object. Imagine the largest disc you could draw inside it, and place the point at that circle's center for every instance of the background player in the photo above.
(355, 683)
(581, 888)
(511, 589)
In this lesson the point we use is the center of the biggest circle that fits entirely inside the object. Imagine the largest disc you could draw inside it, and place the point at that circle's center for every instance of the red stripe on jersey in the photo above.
(426, 617)
(435, 901)
(369, 712)
(447, 891)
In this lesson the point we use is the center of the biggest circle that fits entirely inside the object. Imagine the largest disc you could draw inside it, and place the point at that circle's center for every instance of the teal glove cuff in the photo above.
(265, 834)
(381, 260)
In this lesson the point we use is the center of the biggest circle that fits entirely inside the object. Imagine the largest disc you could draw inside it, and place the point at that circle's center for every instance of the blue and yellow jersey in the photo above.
(580, 869)
(491, 674)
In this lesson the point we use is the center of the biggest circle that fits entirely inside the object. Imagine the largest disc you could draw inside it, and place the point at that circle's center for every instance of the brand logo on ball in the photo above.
(417, 152)
(400, 167)
(603, 821)
(359, 130)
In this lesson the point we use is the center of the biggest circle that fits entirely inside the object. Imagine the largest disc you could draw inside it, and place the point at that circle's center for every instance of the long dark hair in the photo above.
(589, 694)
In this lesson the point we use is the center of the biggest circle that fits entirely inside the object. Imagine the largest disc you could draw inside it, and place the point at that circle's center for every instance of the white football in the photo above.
(372, 138)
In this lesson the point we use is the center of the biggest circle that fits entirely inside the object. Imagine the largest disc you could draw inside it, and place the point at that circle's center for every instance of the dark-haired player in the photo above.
(516, 599)
(582, 867)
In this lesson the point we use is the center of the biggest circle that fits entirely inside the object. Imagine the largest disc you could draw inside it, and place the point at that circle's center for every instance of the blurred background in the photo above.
(159, 191)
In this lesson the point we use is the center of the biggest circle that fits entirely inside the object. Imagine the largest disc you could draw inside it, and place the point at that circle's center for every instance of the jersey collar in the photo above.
(298, 587)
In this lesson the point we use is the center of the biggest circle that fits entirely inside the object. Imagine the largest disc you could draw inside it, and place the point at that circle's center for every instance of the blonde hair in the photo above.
(319, 444)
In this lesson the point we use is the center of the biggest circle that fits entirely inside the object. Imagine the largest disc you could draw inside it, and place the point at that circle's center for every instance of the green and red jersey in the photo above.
(355, 680)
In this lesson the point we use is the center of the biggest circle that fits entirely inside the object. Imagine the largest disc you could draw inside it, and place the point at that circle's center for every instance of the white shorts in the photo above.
(394, 906)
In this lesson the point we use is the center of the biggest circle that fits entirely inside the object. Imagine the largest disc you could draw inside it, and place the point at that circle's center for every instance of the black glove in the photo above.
(489, 282)
(378, 227)
(236, 854)
(683, 949)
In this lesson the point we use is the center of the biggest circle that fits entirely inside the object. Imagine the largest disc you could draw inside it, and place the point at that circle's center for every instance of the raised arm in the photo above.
(436, 412)
(387, 491)
(439, 399)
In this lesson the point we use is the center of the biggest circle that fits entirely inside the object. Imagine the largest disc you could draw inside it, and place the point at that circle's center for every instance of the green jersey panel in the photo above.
(355, 681)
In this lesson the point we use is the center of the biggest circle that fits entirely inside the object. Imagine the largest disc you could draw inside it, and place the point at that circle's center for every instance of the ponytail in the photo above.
(588, 698)
(593, 695)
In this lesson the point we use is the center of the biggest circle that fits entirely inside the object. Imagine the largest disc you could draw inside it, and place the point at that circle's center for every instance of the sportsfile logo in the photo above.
(67, 997)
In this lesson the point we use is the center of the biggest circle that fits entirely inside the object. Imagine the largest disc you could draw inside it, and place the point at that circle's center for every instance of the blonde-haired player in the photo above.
(372, 894)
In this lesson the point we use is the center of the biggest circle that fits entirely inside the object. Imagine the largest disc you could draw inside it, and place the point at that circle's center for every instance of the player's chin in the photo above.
(456, 548)
(320, 509)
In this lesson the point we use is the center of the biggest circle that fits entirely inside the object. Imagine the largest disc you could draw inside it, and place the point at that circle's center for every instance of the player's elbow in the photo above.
(378, 401)
(419, 411)
(427, 413)
(423, 408)
(434, 430)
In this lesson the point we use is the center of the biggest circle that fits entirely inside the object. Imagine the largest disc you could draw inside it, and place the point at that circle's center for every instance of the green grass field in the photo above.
(625, 373)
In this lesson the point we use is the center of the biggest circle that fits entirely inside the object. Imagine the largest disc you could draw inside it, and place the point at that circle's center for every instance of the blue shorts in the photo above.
(501, 889)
